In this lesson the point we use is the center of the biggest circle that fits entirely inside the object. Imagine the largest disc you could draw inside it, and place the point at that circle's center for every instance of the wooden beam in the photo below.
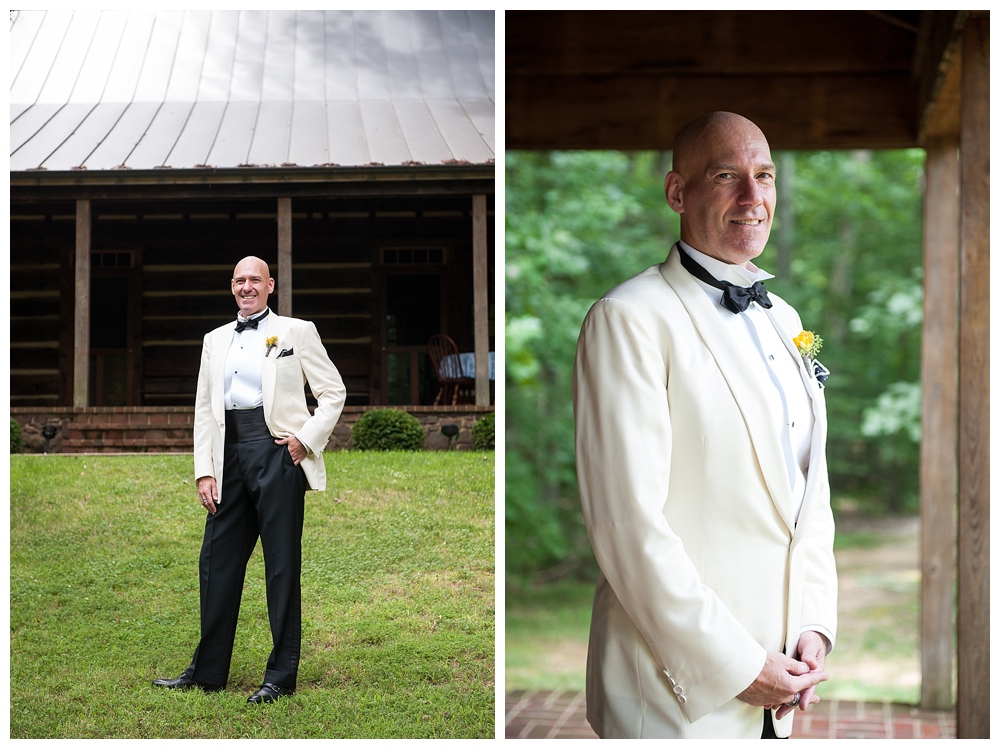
(738, 42)
(942, 117)
(480, 299)
(81, 317)
(939, 441)
(213, 185)
(811, 79)
(937, 71)
(284, 285)
(645, 112)
(974, 390)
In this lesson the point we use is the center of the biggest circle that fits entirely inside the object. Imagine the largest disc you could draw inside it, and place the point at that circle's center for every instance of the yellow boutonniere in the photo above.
(270, 343)
(808, 343)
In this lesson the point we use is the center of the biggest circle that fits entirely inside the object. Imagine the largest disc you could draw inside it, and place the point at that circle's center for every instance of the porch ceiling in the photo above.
(809, 79)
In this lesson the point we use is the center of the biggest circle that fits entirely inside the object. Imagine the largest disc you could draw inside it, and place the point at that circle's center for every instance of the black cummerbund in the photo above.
(246, 425)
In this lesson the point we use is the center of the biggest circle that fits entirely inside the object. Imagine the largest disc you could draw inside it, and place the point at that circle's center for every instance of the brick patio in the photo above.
(563, 715)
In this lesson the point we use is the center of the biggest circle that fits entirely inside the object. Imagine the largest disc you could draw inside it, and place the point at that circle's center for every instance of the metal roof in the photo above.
(102, 90)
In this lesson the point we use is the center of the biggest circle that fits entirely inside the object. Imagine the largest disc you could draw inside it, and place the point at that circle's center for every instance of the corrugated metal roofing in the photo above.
(182, 89)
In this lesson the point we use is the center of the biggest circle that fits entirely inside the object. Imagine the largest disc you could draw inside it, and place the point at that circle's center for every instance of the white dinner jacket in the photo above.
(283, 381)
(687, 501)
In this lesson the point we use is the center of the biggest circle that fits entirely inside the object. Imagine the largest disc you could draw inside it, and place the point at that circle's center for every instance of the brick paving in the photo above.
(563, 715)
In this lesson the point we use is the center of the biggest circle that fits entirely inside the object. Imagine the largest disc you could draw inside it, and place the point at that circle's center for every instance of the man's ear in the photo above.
(673, 189)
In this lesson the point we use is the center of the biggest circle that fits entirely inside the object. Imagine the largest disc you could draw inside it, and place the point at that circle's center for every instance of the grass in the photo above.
(876, 658)
(398, 602)
(546, 636)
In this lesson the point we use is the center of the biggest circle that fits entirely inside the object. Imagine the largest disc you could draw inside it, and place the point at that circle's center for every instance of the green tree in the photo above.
(577, 224)
(856, 279)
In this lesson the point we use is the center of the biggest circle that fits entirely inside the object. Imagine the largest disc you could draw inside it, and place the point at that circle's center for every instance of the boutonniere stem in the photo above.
(270, 343)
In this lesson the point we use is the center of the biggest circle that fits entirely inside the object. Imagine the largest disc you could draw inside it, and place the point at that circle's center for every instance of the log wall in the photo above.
(184, 255)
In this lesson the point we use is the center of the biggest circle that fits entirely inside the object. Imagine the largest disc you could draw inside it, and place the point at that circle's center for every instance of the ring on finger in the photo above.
(795, 700)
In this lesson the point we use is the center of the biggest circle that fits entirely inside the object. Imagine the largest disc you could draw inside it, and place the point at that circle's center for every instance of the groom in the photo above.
(700, 445)
(257, 449)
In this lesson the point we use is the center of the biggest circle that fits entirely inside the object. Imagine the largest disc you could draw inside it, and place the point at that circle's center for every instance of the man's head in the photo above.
(722, 185)
(252, 283)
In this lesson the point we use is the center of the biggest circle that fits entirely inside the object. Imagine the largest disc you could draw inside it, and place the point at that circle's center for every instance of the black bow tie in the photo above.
(242, 325)
(734, 298)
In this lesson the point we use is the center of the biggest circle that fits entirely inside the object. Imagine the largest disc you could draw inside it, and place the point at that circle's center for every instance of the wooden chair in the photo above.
(448, 371)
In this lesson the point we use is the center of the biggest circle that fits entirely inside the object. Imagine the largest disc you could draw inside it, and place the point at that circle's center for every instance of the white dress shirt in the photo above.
(792, 405)
(244, 389)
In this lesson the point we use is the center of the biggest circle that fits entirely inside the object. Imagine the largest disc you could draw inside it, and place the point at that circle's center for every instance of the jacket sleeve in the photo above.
(623, 438)
(327, 387)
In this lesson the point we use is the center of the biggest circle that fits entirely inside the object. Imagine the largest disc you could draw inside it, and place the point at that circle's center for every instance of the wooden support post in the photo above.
(938, 445)
(973, 709)
(480, 299)
(81, 315)
(284, 286)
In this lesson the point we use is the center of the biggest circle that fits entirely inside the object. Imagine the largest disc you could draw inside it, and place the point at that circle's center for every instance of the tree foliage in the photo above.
(846, 245)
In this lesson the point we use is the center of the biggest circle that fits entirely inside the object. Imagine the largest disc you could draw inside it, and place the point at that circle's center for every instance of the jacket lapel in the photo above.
(275, 327)
(817, 455)
(725, 338)
(222, 339)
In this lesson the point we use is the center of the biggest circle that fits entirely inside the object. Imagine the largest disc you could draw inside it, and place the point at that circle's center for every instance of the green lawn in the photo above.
(398, 602)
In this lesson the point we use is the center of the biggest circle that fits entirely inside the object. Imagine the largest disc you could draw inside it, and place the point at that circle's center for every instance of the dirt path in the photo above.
(878, 629)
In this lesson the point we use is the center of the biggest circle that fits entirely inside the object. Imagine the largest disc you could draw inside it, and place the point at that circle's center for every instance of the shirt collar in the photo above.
(239, 315)
(735, 274)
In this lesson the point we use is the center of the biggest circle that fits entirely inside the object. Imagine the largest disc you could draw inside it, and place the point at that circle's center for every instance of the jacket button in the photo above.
(681, 698)
(678, 689)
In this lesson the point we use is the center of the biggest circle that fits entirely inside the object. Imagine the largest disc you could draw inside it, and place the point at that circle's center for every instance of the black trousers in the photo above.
(263, 494)
(768, 730)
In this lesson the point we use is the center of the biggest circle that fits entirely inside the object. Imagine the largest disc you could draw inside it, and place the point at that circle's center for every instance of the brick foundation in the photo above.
(169, 428)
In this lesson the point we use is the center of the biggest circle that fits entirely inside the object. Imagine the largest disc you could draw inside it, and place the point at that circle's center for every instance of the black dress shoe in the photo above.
(183, 682)
(269, 693)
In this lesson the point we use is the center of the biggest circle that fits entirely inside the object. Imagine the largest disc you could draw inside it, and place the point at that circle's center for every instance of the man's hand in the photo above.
(295, 448)
(811, 651)
(208, 492)
(781, 679)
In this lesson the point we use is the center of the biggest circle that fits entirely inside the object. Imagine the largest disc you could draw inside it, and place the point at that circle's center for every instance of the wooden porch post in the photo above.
(284, 287)
(81, 318)
(480, 299)
(973, 710)
(938, 444)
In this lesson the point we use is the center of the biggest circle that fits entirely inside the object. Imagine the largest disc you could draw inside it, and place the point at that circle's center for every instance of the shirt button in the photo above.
(681, 698)
(678, 689)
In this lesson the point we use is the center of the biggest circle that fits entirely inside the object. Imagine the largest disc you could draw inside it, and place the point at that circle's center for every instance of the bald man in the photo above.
(700, 443)
(257, 448)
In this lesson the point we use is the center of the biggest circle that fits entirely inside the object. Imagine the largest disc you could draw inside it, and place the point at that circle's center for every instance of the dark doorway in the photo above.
(114, 329)
(414, 311)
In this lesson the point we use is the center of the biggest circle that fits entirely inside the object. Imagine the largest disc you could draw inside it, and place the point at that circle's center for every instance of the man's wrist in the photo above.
(302, 442)
(824, 634)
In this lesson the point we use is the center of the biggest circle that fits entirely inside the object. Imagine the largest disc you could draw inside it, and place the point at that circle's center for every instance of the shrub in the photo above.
(387, 429)
(16, 442)
(482, 433)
